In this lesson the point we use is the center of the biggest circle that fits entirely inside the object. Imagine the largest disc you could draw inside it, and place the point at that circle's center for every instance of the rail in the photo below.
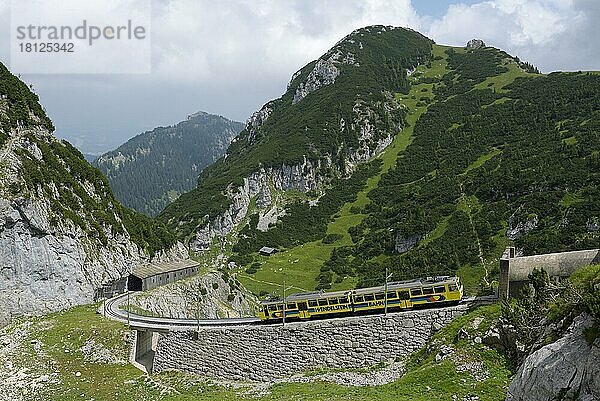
(111, 310)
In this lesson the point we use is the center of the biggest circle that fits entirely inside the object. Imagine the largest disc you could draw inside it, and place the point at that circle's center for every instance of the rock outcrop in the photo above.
(208, 296)
(302, 177)
(475, 44)
(567, 369)
(324, 73)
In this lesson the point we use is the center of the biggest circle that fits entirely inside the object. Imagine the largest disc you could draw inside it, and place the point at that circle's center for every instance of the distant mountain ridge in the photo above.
(153, 168)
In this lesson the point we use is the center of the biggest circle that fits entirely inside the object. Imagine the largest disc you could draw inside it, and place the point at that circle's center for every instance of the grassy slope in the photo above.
(426, 379)
(299, 266)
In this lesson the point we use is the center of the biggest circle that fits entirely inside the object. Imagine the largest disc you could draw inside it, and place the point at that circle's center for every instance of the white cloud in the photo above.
(204, 40)
(550, 33)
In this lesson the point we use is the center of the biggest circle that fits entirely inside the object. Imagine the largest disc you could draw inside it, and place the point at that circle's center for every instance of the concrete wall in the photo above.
(167, 277)
(143, 350)
(265, 352)
(515, 270)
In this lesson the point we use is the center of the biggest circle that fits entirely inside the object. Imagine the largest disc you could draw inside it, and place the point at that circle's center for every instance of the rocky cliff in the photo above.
(567, 369)
(208, 296)
(62, 233)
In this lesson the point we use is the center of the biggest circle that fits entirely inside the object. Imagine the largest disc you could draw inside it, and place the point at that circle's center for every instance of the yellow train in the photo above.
(444, 290)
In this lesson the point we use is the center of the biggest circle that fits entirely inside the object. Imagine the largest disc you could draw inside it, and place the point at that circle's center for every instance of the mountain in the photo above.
(62, 232)
(313, 133)
(391, 151)
(153, 168)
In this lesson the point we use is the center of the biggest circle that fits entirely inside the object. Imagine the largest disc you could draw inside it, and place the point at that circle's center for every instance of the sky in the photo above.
(232, 56)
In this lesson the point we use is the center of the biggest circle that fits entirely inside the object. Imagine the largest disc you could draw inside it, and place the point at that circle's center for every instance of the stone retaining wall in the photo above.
(265, 352)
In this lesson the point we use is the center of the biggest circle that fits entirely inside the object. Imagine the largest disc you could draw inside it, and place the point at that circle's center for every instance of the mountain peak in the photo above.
(153, 168)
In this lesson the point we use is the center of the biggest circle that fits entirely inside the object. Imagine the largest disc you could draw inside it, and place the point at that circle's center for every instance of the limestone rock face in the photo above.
(302, 177)
(475, 44)
(47, 268)
(324, 73)
(405, 243)
(62, 236)
(520, 228)
(567, 369)
(256, 120)
(206, 297)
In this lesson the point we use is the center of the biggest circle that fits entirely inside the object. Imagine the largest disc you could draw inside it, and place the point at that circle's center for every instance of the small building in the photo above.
(515, 270)
(266, 251)
(152, 275)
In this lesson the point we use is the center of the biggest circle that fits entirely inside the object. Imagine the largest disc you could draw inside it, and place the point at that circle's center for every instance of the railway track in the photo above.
(111, 310)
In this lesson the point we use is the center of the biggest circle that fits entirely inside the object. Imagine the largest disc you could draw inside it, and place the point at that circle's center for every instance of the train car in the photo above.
(399, 295)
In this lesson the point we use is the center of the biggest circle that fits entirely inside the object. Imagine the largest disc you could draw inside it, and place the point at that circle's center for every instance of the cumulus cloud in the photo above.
(553, 34)
(204, 40)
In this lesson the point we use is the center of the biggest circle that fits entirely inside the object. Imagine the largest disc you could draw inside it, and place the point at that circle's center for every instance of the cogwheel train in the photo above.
(431, 291)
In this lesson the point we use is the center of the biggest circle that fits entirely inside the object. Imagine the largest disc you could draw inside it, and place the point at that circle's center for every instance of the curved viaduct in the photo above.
(244, 349)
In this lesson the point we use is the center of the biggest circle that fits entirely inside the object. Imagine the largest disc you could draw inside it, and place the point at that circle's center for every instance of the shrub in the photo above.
(331, 238)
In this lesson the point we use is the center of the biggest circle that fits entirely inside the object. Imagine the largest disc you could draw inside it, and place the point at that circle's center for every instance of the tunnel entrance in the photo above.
(134, 283)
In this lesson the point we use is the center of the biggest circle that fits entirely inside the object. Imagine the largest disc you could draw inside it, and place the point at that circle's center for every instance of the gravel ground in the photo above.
(387, 374)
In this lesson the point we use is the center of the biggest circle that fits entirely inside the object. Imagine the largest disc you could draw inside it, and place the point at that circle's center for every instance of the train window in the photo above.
(291, 306)
(343, 300)
(359, 298)
(392, 294)
(452, 287)
(439, 289)
(415, 292)
(379, 296)
(322, 302)
(369, 297)
(404, 295)
(280, 307)
(427, 290)
(272, 307)
(312, 302)
(333, 301)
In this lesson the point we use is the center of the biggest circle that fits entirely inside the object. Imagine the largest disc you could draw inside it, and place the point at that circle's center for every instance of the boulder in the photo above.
(567, 369)
(475, 44)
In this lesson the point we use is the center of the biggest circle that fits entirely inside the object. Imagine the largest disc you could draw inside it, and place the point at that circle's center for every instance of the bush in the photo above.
(331, 238)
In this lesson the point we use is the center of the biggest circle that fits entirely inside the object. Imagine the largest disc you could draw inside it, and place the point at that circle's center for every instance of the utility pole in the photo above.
(199, 294)
(128, 319)
(387, 277)
(284, 300)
